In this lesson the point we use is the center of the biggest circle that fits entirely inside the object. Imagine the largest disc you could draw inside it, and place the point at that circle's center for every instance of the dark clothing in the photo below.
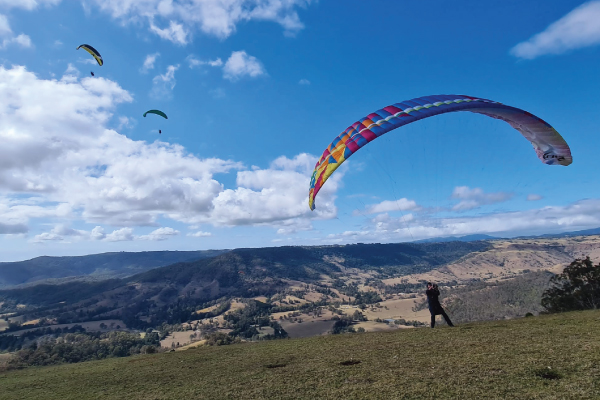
(435, 308)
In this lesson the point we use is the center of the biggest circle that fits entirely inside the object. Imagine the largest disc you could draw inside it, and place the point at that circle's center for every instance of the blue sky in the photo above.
(255, 90)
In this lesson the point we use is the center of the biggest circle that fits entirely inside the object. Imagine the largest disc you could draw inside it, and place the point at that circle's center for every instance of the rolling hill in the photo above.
(94, 266)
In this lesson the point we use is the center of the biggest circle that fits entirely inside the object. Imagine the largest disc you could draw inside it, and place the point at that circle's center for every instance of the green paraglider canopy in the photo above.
(157, 112)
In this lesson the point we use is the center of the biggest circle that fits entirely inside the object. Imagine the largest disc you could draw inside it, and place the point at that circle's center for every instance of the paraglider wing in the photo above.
(550, 147)
(157, 112)
(93, 52)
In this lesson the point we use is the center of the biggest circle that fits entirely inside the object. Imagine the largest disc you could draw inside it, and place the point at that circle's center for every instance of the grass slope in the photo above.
(491, 360)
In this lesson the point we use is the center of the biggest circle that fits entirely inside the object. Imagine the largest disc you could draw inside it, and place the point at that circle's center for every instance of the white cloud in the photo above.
(200, 234)
(63, 152)
(474, 198)
(213, 17)
(58, 233)
(240, 64)
(61, 164)
(97, 233)
(120, 235)
(126, 122)
(27, 4)
(579, 28)
(304, 82)
(276, 196)
(176, 33)
(194, 62)
(149, 62)
(4, 26)
(160, 234)
(583, 214)
(90, 61)
(20, 40)
(8, 38)
(533, 197)
(164, 84)
(402, 204)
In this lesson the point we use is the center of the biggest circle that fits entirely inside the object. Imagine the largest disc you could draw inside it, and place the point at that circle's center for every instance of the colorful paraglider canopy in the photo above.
(93, 52)
(157, 112)
(550, 147)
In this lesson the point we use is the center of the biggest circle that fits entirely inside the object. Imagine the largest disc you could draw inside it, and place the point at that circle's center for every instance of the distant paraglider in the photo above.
(550, 147)
(92, 72)
(157, 112)
(93, 52)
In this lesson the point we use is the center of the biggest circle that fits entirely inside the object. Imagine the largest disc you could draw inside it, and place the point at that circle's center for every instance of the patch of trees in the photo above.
(256, 314)
(12, 343)
(369, 297)
(342, 324)
(83, 346)
(577, 288)
(243, 322)
(71, 292)
(220, 339)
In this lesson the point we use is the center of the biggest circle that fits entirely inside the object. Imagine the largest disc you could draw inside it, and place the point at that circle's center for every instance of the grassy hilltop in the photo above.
(547, 357)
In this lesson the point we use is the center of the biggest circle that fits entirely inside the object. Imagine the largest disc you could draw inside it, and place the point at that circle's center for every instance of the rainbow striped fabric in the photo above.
(550, 147)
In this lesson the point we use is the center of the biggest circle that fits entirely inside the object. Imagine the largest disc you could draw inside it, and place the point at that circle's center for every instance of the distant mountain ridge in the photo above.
(241, 272)
(476, 237)
(124, 264)
(466, 238)
(94, 266)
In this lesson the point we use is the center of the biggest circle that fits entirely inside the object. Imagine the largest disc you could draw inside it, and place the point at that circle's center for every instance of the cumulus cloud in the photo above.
(240, 64)
(149, 62)
(304, 82)
(8, 38)
(62, 152)
(200, 234)
(97, 233)
(213, 17)
(474, 198)
(164, 84)
(27, 4)
(402, 204)
(59, 233)
(175, 32)
(579, 28)
(59, 162)
(275, 196)
(160, 234)
(195, 62)
(533, 197)
(120, 235)
(583, 214)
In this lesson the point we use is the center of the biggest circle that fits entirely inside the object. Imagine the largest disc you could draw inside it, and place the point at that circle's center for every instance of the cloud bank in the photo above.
(579, 28)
